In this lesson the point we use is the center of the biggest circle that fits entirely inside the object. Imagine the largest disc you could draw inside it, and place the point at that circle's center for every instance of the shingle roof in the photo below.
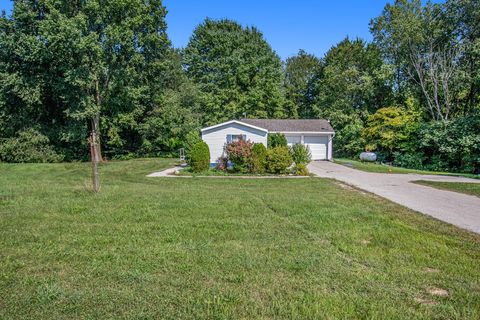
(291, 125)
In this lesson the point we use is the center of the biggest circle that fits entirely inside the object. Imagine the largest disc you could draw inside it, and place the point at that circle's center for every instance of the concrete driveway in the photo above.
(456, 208)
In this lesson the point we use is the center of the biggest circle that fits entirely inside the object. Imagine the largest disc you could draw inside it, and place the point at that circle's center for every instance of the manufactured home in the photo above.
(317, 134)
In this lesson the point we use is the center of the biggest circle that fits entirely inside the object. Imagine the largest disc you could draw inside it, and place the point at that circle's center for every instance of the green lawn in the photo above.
(467, 188)
(200, 248)
(382, 168)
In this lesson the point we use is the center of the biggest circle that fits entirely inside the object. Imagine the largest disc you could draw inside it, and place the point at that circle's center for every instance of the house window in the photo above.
(236, 137)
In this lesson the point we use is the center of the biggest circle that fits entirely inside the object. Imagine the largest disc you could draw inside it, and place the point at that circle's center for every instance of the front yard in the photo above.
(203, 248)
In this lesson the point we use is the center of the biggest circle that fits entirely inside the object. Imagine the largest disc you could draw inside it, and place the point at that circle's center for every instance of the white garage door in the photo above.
(291, 140)
(318, 146)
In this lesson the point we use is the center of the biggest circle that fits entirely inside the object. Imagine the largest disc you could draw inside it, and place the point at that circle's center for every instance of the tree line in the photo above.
(70, 68)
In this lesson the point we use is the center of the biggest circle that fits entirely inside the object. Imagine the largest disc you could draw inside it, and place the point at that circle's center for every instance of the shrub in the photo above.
(278, 160)
(300, 154)
(191, 139)
(222, 164)
(276, 140)
(28, 146)
(259, 158)
(451, 145)
(200, 157)
(240, 154)
(301, 170)
(408, 160)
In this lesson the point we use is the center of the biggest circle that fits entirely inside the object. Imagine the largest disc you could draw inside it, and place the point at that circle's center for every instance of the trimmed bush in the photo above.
(240, 154)
(28, 146)
(300, 154)
(191, 139)
(259, 158)
(200, 157)
(301, 170)
(278, 160)
(276, 140)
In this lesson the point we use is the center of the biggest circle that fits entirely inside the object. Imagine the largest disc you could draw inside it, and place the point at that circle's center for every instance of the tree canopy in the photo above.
(236, 71)
(69, 69)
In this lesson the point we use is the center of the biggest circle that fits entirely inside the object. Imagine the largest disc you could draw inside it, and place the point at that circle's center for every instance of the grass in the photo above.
(148, 248)
(383, 168)
(461, 187)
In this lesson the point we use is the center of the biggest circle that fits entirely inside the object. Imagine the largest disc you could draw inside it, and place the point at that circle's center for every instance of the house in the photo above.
(317, 134)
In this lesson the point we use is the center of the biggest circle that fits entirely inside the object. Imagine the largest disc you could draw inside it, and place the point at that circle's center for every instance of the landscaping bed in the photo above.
(243, 157)
(212, 172)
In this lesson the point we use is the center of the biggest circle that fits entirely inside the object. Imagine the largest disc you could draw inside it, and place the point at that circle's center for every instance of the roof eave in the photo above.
(300, 132)
(233, 121)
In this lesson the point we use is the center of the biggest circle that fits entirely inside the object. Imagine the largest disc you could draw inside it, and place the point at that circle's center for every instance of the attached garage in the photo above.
(318, 146)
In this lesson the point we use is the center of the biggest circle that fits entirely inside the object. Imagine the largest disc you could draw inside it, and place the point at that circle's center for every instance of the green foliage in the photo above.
(236, 71)
(354, 83)
(191, 139)
(278, 159)
(240, 154)
(301, 170)
(200, 158)
(452, 145)
(276, 140)
(348, 140)
(28, 146)
(301, 73)
(66, 65)
(391, 129)
(259, 158)
(408, 160)
(300, 154)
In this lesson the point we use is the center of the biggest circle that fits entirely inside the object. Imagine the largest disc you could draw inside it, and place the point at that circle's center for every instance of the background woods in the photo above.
(66, 67)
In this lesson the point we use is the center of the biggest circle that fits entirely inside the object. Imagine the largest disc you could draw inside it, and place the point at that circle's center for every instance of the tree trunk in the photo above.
(95, 150)
(95, 135)
(95, 160)
(96, 121)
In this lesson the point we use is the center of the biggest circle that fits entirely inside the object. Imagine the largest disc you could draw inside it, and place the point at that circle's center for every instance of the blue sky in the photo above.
(312, 25)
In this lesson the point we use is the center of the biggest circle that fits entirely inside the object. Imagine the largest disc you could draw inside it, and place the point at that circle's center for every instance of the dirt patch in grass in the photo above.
(424, 301)
(439, 292)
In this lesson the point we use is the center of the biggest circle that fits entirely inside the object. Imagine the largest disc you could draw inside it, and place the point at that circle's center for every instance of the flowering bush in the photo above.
(222, 164)
(240, 154)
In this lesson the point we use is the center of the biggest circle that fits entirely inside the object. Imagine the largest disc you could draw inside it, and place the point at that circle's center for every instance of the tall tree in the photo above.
(301, 74)
(421, 42)
(236, 71)
(70, 66)
(354, 83)
(462, 17)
